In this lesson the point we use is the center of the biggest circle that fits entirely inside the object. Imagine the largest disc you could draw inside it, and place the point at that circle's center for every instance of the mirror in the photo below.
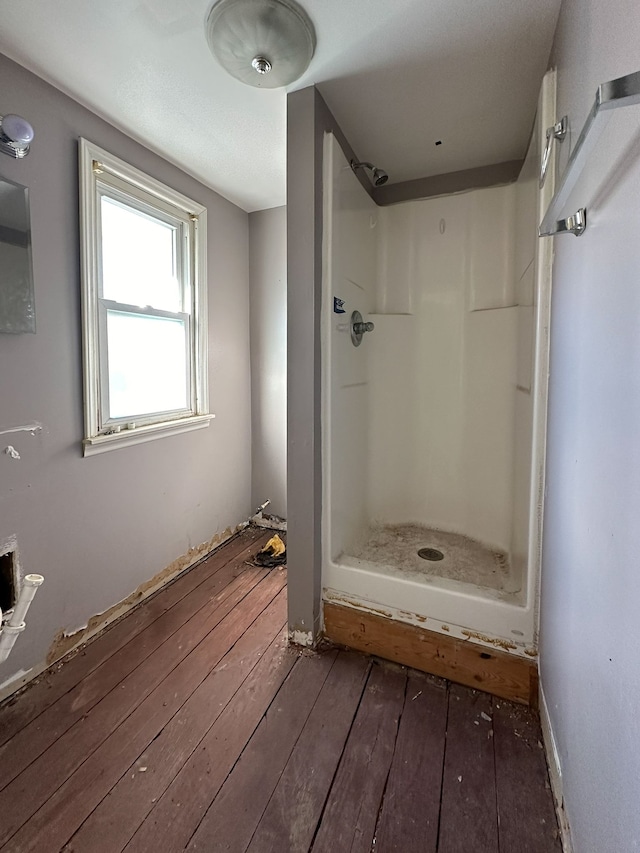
(17, 307)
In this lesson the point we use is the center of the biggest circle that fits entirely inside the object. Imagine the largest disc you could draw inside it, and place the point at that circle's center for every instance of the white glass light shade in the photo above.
(16, 134)
(279, 31)
(17, 129)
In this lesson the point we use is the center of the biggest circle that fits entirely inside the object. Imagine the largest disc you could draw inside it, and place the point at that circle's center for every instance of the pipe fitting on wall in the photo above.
(16, 622)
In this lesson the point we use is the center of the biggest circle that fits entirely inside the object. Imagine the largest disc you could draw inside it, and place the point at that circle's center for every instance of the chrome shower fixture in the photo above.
(378, 176)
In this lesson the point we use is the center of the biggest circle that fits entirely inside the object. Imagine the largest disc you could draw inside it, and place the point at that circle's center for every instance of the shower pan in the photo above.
(433, 424)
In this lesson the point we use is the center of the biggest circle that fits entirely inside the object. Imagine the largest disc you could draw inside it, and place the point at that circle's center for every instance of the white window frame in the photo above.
(103, 174)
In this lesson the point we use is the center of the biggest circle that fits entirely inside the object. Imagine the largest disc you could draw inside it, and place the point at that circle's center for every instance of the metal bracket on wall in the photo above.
(557, 131)
(622, 92)
(571, 225)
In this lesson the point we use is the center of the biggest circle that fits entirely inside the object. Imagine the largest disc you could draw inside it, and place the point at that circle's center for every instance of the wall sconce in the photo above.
(16, 136)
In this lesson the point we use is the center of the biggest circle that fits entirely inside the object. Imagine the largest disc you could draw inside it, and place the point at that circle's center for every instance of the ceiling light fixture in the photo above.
(264, 43)
(16, 136)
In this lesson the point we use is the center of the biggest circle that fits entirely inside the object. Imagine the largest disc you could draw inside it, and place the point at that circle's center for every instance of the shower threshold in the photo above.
(394, 549)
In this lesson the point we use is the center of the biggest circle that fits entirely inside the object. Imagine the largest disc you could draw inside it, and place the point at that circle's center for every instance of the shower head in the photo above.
(378, 176)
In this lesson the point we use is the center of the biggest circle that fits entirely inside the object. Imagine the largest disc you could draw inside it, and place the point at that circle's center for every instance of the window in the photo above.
(144, 305)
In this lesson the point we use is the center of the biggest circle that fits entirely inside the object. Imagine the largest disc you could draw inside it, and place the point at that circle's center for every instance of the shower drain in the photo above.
(430, 554)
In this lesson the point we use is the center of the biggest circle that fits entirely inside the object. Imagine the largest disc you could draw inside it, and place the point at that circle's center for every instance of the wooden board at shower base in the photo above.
(471, 664)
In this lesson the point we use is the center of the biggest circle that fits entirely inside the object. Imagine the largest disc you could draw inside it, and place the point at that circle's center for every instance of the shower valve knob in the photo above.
(358, 328)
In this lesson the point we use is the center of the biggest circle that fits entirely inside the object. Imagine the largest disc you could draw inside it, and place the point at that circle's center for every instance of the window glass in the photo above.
(139, 258)
(147, 364)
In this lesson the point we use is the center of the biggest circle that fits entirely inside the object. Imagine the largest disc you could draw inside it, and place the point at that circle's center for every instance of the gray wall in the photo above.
(308, 118)
(98, 527)
(591, 566)
(268, 286)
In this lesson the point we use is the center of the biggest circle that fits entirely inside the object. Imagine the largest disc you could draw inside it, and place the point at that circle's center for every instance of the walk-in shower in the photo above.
(430, 421)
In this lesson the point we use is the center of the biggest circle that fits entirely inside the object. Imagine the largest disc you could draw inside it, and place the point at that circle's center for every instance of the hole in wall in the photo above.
(439, 142)
(485, 655)
(8, 584)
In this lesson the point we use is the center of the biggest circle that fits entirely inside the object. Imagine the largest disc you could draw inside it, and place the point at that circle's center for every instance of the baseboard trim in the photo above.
(555, 774)
(504, 675)
(66, 645)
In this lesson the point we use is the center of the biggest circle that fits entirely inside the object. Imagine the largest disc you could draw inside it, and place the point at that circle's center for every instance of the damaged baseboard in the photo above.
(302, 638)
(65, 644)
(262, 519)
(555, 774)
(269, 522)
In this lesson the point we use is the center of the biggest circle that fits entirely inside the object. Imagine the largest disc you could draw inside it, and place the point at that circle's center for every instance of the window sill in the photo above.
(128, 437)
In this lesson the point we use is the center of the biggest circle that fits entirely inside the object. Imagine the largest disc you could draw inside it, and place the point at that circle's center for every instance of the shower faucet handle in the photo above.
(358, 328)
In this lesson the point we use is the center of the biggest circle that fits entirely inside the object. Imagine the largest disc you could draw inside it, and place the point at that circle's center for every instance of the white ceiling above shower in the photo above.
(399, 75)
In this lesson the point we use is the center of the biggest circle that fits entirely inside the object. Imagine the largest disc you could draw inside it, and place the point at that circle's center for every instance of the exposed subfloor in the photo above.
(464, 559)
(190, 725)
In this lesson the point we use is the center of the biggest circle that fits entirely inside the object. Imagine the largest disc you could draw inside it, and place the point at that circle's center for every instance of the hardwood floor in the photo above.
(190, 725)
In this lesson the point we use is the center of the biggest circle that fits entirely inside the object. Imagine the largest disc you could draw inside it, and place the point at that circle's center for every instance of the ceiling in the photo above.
(398, 75)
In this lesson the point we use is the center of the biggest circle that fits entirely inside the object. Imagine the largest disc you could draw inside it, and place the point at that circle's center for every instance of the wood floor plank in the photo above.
(236, 811)
(110, 827)
(178, 812)
(349, 820)
(526, 816)
(294, 810)
(64, 811)
(49, 726)
(468, 817)
(408, 821)
(43, 777)
(20, 709)
(199, 728)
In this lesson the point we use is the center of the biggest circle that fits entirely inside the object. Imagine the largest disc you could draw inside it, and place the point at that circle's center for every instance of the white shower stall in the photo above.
(433, 426)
